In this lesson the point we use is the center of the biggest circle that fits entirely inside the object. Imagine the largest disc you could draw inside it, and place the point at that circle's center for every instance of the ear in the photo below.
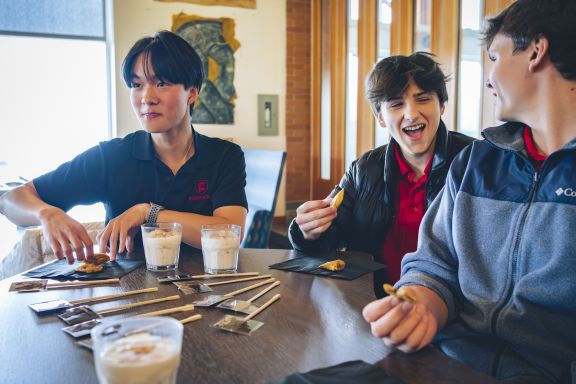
(380, 119)
(192, 95)
(539, 48)
(442, 109)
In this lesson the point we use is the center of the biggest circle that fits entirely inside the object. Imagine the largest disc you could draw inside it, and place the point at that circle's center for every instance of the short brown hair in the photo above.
(526, 20)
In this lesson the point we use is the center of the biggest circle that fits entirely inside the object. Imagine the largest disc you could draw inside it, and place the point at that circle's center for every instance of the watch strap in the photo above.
(153, 213)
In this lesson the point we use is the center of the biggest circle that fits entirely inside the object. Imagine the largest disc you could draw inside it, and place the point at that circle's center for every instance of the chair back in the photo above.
(263, 175)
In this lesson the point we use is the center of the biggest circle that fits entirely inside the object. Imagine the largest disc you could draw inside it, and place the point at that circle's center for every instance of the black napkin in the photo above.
(356, 266)
(349, 372)
(61, 269)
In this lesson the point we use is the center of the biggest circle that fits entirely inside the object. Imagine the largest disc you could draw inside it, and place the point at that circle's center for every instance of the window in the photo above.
(352, 83)
(381, 135)
(470, 68)
(54, 99)
(422, 25)
(356, 34)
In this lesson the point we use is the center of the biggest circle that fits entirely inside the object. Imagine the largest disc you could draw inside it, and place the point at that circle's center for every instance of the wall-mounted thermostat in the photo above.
(267, 115)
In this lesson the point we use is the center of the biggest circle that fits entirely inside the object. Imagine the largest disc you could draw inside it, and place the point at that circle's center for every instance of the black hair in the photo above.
(526, 20)
(391, 76)
(171, 57)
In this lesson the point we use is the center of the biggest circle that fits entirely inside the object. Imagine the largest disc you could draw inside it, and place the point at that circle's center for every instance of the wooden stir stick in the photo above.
(85, 282)
(113, 296)
(239, 280)
(262, 307)
(190, 319)
(168, 311)
(225, 275)
(249, 288)
(138, 304)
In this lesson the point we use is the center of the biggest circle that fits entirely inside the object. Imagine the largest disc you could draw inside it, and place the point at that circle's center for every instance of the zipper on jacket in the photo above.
(518, 237)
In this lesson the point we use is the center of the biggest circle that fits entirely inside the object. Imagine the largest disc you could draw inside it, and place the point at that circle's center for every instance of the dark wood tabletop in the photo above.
(316, 323)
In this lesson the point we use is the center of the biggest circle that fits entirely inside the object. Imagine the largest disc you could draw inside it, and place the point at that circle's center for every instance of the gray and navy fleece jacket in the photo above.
(499, 246)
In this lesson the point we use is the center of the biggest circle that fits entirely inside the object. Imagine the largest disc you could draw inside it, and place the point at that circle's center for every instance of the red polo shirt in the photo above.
(410, 206)
(535, 158)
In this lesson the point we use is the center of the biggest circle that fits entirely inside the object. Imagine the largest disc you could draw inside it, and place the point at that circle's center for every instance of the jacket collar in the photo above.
(442, 147)
(508, 136)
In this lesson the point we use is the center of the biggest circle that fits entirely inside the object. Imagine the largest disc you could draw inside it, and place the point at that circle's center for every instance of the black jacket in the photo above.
(367, 212)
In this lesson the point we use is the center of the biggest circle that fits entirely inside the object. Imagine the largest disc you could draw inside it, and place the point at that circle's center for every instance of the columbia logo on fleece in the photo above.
(566, 192)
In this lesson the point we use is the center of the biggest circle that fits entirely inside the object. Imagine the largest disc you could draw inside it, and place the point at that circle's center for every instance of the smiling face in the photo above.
(508, 79)
(413, 120)
(160, 106)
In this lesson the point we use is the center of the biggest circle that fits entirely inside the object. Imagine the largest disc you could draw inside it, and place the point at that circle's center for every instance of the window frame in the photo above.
(444, 43)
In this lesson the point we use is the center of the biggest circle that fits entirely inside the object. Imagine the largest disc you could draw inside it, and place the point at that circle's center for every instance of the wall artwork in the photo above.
(214, 41)
(228, 3)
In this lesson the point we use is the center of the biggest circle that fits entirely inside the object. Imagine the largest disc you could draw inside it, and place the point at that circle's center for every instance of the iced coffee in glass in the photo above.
(137, 351)
(220, 245)
(161, 245)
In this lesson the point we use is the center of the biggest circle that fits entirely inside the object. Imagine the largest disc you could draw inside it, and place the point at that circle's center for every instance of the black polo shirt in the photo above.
(124, 172)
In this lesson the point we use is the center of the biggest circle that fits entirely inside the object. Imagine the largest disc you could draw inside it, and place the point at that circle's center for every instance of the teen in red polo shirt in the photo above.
(388, 188)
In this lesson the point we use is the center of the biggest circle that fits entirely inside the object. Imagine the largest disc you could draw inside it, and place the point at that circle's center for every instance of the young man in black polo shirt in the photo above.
(166, 172)
(388, 189)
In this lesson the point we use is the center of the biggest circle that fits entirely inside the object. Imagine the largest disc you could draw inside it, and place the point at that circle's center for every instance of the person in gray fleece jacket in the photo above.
(494, 275)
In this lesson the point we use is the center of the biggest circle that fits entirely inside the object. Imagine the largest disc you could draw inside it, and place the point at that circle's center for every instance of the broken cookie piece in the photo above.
(89, 268)
(96, 265)
(400, 293)
(337, 200)
(334, 265)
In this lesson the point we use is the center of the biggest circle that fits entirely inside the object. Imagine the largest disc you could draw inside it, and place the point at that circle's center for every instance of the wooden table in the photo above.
(317, 323)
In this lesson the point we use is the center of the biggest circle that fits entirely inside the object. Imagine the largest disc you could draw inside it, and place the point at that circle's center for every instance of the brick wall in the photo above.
(297, 103)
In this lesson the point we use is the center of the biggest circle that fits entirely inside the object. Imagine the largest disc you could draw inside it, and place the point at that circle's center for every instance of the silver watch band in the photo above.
(153, 213)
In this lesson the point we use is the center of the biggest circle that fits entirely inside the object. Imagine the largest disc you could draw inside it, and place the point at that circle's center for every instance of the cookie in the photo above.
(400, 293)
(96, 265)
(100, 258)
(337, 200)
(334, 265)
(89, 268)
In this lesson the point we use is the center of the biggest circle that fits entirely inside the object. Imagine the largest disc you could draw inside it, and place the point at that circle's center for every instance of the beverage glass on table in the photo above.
(161, 245)
(134, 351)
(220, 245)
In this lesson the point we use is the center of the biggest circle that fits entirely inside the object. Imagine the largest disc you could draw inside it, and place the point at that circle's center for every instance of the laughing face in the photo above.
(413, 120)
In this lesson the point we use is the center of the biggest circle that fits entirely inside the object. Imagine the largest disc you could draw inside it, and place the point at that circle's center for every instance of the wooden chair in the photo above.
(263, 175)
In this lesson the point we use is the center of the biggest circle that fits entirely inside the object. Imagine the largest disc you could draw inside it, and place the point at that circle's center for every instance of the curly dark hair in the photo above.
(391, 76)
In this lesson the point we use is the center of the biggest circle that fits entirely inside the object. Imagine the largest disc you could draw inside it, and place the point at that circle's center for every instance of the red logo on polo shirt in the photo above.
(202, 187)
(201, 190)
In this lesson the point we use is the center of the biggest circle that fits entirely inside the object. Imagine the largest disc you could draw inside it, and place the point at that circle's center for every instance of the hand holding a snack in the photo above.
(66, 236)
(315, 217)
(118, 235)
(408, 318)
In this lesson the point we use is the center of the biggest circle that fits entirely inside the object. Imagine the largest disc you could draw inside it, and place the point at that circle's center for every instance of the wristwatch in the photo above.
(153, 213)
